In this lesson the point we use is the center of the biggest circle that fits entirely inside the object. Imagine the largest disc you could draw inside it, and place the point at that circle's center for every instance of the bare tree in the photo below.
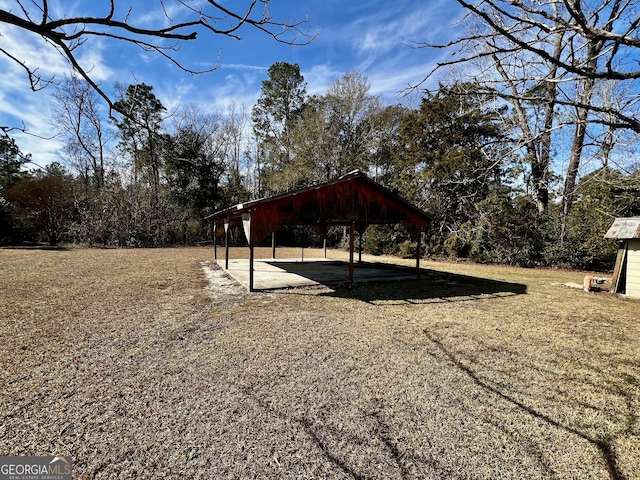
(579, 22)
(600, 40)
(551, 54)
(539, 94)
(127, 24)
(236, 128)
(77, 115)
(530, 85)
(350, 110)
(337, 132)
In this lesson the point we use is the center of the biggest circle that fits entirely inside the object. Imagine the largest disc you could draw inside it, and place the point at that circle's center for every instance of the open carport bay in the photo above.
(295, 272)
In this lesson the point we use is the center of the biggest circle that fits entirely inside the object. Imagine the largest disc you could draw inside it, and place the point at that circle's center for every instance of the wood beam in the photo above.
(248, 224)
(226, 244)
(273, 244)
(620, 267)
(215, 241)
(418, 254)
(251, 257)
(352, 234)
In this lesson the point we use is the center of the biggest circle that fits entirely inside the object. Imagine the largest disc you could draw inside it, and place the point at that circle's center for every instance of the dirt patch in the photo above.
(220, 285)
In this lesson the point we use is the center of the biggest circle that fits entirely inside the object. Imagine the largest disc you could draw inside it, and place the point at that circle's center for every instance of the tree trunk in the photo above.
(574, 161)
(584, 98)
(541, 171)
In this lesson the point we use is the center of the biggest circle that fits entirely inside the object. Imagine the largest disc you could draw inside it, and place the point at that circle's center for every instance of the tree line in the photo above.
(149, 178)
(524, 152)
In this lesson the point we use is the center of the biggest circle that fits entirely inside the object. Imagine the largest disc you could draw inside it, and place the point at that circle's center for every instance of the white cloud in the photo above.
(156, 17)
(32, 111)
(236, 90)
(93, 61)
(393, 33)
(376, 44)
(240, 66)
(20, 107)
(33, 51)
(212, 92)
(319, 77)
(395, 85)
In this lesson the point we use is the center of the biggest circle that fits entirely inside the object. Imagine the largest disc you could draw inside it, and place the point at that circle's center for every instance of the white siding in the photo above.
(633, 268)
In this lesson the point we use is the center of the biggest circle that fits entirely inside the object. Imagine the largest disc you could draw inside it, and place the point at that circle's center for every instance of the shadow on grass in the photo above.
(37, 246)
(395, 284)
(431, 287)
(604, 445)
(320, 434)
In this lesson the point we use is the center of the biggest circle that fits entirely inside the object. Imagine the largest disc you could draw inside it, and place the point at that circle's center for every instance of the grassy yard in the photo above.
(135, 365)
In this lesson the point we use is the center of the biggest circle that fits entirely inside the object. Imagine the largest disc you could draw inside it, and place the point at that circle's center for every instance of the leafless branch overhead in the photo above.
(125, 23)
(524, 23)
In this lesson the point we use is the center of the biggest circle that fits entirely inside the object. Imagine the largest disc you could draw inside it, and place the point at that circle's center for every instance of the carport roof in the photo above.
(352, 198)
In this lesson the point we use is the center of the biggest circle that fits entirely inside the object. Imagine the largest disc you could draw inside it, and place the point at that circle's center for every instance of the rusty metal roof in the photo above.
(624, 228)
(351, 198)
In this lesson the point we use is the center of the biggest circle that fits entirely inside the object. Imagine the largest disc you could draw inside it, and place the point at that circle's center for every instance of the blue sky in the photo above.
(368, 36)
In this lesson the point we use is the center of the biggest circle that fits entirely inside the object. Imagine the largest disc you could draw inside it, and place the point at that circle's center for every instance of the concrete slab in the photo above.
(293, 272)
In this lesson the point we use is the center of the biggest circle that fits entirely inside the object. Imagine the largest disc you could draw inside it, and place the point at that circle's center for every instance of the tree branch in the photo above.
(497, 19)
(35, 80)
(68, 33)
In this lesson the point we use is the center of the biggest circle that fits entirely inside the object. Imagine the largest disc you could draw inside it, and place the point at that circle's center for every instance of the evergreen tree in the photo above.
(600, 197)
(282, 98)
(443, 157)
(141, 130)
(11, 162)
(143, 139)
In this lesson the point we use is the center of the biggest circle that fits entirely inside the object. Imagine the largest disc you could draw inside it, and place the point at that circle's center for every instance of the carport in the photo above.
(354, 200)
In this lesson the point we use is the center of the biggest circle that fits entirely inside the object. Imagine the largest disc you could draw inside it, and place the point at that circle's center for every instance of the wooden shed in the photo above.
(626, 275)
(354, 200)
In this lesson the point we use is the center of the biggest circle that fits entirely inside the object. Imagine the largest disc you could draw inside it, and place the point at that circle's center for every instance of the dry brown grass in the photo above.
(131, 363)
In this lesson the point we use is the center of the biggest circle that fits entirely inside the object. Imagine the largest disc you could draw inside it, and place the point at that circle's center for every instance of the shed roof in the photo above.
(353, 198)
(624, 228)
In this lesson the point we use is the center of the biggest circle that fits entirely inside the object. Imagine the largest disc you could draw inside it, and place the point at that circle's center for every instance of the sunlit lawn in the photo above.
(135, 365)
